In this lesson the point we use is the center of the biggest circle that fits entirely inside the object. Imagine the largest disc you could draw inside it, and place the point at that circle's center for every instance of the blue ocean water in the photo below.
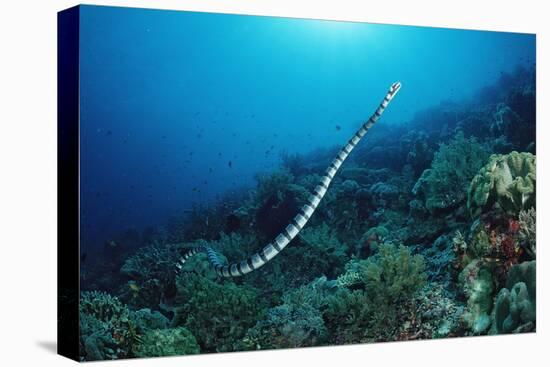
(178, 108)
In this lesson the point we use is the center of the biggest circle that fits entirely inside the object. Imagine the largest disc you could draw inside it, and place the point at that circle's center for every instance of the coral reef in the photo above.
(507, 181)
(428, 231)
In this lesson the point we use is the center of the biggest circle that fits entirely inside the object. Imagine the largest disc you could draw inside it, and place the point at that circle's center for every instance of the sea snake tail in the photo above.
(283, 239)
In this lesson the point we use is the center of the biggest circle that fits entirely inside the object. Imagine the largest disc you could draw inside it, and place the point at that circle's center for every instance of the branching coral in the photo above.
(445, 184)
(506, 181)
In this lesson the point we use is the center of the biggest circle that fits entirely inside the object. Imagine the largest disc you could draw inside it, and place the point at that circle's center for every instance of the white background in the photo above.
(28, 182)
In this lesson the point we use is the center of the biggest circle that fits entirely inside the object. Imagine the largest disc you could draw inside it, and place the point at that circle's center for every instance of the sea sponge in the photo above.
(506, 181)
(515, 305)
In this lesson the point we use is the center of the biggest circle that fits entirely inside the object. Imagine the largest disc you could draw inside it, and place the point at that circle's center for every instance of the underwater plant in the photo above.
(283, 239)
(507, 182)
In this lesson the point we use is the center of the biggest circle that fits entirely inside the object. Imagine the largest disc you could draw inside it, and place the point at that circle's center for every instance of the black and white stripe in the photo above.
(283, 239)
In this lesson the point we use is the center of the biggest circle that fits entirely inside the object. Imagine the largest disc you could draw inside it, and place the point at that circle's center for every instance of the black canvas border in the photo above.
(68, 216)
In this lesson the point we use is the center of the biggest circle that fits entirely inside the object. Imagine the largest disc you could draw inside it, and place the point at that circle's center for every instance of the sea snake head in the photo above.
(395, 88)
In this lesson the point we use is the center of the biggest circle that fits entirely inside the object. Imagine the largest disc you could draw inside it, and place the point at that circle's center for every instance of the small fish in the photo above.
(109, 133)
(133, 287)
(338, 127)
(230, 164)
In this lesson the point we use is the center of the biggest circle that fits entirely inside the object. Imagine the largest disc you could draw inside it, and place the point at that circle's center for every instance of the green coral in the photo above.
(389, 280)
(476, 282)
(445, 184)
(217, 314)
(515, 305)
(394, 274)
(167, 342)
(507, 181)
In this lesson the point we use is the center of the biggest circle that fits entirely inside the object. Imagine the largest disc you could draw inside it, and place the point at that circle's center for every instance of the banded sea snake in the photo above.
(283, 239)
